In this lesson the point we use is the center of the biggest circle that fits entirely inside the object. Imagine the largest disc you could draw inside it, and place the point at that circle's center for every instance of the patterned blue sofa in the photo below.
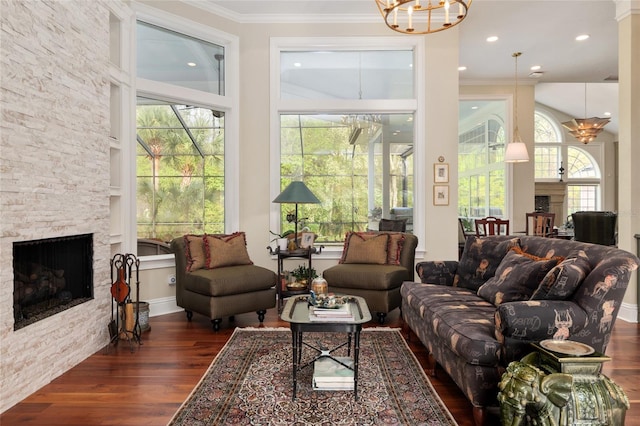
(480, 313)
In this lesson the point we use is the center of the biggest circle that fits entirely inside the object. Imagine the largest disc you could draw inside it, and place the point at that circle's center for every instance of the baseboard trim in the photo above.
(628, 312)
(163, 305)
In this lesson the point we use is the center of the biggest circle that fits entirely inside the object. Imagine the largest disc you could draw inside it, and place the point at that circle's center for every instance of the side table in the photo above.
(281, 288)
(296, 313)
(548, 387)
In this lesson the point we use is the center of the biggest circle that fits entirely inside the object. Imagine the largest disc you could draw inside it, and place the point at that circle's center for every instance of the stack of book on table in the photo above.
(341, 313)
(329, 374)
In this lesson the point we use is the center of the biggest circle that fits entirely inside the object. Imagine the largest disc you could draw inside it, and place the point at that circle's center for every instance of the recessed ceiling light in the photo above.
(191, 64)
(492, 39)
(474, 107)
(297, 64)
(535, 67)
(462, 68)
(607, 114)
(582, 37)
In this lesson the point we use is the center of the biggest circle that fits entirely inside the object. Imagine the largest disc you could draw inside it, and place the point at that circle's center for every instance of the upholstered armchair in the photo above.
(215, 277)
(373, 266)
(595, 227)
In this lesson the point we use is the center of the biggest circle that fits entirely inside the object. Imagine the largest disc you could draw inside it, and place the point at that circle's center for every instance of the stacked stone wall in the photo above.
(54, 174)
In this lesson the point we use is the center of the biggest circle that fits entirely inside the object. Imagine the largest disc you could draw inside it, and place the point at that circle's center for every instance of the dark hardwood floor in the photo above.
(117, 387)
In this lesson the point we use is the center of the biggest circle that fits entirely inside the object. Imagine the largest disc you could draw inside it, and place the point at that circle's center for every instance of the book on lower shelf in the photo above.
(329, 374)
(341, 313)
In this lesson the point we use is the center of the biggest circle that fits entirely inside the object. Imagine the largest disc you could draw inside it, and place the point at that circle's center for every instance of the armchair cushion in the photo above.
(562, 281)
(239, 279)
(194, 252)
(480, 260)
(516, 278)
(365, 276)
(366, 248)
(226, 250)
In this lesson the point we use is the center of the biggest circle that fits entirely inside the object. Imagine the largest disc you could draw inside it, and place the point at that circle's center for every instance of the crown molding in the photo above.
(286, 18)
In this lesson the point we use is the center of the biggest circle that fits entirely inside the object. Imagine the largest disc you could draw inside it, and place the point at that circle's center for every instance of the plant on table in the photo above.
(303, 273)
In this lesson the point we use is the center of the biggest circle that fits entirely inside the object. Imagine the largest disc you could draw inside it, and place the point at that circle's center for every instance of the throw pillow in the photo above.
(226, 250)
(194, 252)
(516, 278)
(365, 248)
(396, 242)
(480, 259)
(562, 281)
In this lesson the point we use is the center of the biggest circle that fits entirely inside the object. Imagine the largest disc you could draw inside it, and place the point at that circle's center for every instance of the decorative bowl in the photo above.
(296, 286)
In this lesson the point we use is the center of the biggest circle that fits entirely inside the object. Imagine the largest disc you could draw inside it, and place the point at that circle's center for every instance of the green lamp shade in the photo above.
(297, 192)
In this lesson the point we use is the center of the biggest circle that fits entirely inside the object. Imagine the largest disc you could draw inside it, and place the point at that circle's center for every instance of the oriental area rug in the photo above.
(250, 383)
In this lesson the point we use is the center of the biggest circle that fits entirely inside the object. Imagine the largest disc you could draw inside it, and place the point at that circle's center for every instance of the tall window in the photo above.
(348, 165)
(180, 165)
(581, 171)
(481, 174)
(180, 170)
(356, 155)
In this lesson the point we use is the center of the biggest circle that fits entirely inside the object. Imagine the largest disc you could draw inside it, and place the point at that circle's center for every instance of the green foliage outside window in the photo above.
(317, 150)
(180, 170)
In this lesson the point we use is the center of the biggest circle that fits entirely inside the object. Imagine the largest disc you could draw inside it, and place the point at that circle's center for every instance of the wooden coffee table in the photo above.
(296, 313)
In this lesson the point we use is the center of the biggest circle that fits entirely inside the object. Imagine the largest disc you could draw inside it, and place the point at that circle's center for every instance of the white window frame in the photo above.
(280, 106)
(594, 149)
(508, 126)
(229, 104)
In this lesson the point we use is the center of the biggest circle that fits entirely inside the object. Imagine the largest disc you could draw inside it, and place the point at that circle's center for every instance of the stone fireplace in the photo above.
(51, 275)
(54, 182)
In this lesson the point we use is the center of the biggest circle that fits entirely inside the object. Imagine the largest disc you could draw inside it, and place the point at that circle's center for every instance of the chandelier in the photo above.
(427, 15)
(586, 129)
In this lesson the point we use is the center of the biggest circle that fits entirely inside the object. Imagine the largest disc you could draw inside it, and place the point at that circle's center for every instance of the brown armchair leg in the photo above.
(216, 324)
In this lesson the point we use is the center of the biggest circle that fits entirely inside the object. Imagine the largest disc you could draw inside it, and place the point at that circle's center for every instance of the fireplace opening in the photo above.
(51, 275)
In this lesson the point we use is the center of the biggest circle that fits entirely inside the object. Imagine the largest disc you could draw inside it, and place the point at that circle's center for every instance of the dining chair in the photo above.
(540, 224)
(491, 225)
(462, 236)
(395, 225)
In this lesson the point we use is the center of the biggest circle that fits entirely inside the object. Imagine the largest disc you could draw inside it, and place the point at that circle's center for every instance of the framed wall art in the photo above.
(441, 173)
(440, 195)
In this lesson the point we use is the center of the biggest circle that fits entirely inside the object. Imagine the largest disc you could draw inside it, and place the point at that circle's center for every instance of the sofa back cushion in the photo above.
(516, 278)
(480, 259)
(226, 250)
(562, 281)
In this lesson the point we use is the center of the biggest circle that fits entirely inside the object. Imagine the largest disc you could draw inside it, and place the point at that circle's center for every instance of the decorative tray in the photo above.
(567, 347)
(327, 301)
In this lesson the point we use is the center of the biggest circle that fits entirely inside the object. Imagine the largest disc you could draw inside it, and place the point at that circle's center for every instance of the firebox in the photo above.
(51, 275)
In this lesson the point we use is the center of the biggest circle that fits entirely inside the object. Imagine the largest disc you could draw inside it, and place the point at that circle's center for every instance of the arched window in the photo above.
(579, 168)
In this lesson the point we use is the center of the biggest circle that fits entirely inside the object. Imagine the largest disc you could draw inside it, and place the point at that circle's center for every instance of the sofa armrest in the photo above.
(437, 272)
(539, 320)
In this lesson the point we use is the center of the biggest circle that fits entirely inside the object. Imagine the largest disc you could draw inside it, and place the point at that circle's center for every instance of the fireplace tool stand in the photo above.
(124, 325)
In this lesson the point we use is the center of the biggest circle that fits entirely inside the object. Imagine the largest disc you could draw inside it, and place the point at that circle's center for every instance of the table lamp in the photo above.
(296, 193)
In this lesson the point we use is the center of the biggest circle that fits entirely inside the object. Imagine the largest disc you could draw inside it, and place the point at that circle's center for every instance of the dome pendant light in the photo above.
(516, 151)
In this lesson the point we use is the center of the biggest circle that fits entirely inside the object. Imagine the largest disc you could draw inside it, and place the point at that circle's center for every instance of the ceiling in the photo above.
(543, 30)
